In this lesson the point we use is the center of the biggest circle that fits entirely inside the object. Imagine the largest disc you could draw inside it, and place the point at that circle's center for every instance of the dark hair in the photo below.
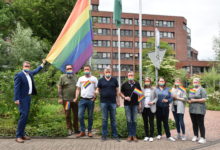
(87, 66)
(147, 78)
(159, 80)
(68, 65)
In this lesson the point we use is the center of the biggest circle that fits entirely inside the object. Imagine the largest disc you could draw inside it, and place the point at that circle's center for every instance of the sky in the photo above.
(203, 18)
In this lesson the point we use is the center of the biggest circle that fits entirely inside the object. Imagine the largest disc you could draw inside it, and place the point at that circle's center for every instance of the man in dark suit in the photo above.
(24, 87)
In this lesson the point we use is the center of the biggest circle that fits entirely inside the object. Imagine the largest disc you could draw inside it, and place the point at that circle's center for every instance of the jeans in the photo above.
(198, 124)
(24, 108)
(148, 118)
(111, 109)
(83, 104)
(162, 115)
(179, 120)
(131, 116)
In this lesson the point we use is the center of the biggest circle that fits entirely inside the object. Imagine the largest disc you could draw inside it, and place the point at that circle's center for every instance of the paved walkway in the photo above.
(212, 123)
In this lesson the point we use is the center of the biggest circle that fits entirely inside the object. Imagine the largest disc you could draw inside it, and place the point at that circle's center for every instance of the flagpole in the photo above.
(119, 58)
(140, 42)
(157, 44)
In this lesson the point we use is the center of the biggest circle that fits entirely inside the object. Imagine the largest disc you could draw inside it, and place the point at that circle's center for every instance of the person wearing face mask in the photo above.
(197, 110)
(86, 87)
(66, 92)
(131, 105)
(24, 87)
(162, 113)
(178, 107)
(148, 109)
(108, 89)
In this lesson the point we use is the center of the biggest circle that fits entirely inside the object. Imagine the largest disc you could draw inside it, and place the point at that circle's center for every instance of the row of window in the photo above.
(124, 44)
(104, 31)
(107, 55)
(129, 21)
(115, 67)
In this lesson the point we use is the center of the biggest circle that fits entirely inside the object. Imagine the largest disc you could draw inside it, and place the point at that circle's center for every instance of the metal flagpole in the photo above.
(119, 58)
(157, 44)
(140, 42)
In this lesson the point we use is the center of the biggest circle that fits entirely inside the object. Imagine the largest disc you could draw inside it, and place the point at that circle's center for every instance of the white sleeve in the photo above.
(96, 82)
(78, 84)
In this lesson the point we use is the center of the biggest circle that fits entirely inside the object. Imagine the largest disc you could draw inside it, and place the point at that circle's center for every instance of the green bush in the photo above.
(213, 101)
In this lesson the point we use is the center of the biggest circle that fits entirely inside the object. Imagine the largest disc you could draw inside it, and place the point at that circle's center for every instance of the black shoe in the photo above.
(116, 139)
(76, 132)
(104, 138)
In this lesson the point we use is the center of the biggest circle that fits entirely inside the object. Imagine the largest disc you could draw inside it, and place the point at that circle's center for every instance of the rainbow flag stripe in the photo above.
(192, 91)
(138, 92)
(67, 106)
(74, 44)
(182, 89)
(86, 84)
(141, 98)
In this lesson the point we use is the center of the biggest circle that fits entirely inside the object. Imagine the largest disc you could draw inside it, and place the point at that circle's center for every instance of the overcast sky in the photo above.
(203, 18)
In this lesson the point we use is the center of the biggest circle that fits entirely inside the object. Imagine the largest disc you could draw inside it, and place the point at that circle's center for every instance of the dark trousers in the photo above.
(148, 118)
(179, 120)
(162, 115)
(198, 124)
(24, 108)
(74, 109)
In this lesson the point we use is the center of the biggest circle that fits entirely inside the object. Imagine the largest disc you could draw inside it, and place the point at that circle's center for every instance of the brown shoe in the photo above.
(19, 140)
(90, 134)
(81, 134)
(129, 139)
(26, 138)
(135, 139)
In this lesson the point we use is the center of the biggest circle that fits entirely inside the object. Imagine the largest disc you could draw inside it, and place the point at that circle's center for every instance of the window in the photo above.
(124, 44)
(128, 21)
(166, 34)
(101, 43)
(162, 23)
(101, 67)
(95, 7)
(123, 32)
(101, 19)
(145, 33)
(145, 22)
(144, 45)
(128, 56)
(172, 45)
(101, 55)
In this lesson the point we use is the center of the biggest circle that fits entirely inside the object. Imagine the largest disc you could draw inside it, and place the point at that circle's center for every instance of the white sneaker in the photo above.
(159, 137)
(194, 139)
(202, 141)
(183, 138)
(151, 139)
(171, 139)
(146, 139)
(178, 137)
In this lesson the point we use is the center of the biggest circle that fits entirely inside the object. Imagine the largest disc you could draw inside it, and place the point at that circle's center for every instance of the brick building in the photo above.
(173, 29)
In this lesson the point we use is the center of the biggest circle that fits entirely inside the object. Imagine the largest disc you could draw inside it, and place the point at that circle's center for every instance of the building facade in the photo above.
(173, 30)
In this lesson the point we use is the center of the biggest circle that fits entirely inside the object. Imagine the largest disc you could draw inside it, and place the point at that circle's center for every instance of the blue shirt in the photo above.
(107, 90)
(163, 94)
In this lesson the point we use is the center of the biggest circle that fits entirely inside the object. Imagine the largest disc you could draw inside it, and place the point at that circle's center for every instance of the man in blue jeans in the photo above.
(108, 89)
(86, 87)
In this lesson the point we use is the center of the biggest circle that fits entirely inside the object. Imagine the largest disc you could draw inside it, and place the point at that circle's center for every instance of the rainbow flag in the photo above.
(67, 106)
(182, 88)
(141, 98)
(138, 92)
(74, 44)
(192, 91)
(86, 84)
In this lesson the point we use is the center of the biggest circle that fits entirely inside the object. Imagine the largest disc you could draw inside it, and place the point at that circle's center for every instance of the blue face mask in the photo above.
(69, 72)
(27, 70)
(108, 76)
(86, 73)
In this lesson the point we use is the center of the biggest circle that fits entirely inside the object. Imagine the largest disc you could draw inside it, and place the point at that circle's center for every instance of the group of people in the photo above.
(77, 96)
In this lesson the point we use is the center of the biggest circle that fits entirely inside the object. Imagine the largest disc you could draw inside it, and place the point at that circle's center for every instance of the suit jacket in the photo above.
(21, 87)
(153, 98)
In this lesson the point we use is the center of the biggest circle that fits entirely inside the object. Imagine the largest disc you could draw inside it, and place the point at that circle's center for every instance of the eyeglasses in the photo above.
(27, 66)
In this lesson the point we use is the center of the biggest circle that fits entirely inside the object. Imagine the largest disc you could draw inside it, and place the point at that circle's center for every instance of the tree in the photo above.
(45, 17)
(21, 46)
(216, 47)
(168, 66)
